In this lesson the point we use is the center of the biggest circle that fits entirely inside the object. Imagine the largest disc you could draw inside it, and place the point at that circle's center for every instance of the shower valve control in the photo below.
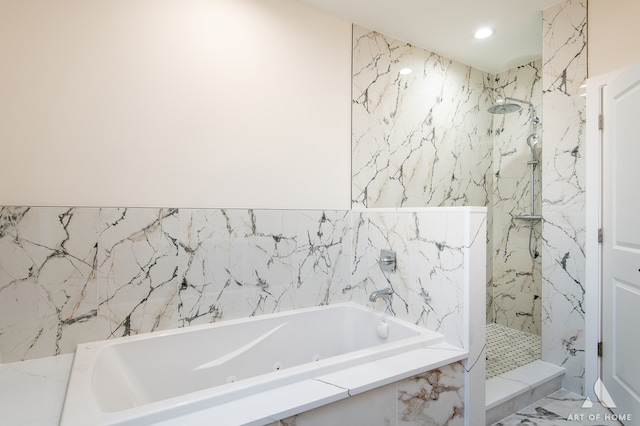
(387, 260)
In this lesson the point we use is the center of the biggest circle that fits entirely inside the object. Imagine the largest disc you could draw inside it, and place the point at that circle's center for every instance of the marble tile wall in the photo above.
(517, 289)
(402, 156)
(420, 139)
(48, 273)
(238, 263)
(563, 189)
(71, 275)
(428, 283)
(426, 139)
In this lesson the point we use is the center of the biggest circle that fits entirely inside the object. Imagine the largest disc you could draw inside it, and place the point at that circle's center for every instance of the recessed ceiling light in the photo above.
(483, 33)
(405, 71)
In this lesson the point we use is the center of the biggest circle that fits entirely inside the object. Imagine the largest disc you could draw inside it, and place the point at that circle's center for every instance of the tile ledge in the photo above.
(529, 376)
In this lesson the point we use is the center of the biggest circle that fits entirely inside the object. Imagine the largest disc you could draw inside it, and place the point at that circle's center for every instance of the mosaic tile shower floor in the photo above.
(508, 349)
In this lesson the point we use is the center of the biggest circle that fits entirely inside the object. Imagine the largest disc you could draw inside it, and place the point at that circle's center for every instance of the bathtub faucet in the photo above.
(385, 293)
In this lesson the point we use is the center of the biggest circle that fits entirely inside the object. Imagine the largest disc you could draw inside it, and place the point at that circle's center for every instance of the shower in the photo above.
(503, 107)
(506, 105)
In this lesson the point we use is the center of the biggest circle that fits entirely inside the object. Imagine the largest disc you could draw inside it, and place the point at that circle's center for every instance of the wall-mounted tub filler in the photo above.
(387, 260)
(385, 293)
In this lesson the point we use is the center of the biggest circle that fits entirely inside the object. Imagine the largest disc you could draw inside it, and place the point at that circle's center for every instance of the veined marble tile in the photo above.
(426, 138)
(418, 139)
(428, 283)
(518, 310)
(89, 274)
(240, 262)
(323, 240)
(489, 303)
(563, 311)
(563, 268)
(516, 287)
(372, 232)
(564, 33)
(437, 245)
(433, 398)
(564, 261)
(516, 279)
(137, 270)
(47, 284)
(563, 160)
(208, 288)
(561, 408)
(565, 71)
(269, 263)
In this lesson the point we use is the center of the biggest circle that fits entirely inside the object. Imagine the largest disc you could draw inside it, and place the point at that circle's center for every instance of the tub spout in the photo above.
(385, 293)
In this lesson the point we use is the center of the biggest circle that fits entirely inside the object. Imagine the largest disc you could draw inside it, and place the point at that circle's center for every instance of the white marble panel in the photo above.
(433, 398)
(563, 311)
(564, 55)
(137, 270)
(516, 278)
(475, 336)
(437, 277)
(419, 139)
(269, 263)
(208, 288)
(426, 139)
(428, 283)
(563, 268)
(374, 231)
(562, 408)
(563, 160)
(47, 280)
(323, 241)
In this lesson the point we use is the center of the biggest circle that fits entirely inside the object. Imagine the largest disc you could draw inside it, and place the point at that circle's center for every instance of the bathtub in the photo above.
(156, 377)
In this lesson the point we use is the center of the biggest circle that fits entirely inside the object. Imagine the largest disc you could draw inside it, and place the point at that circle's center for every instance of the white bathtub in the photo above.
(159, 376)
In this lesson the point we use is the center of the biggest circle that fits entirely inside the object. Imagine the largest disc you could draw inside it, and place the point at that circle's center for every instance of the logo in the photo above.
(602, 394)
(604, 398)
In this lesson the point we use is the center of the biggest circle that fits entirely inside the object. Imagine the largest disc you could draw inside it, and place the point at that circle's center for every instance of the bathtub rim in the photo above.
(290, 312)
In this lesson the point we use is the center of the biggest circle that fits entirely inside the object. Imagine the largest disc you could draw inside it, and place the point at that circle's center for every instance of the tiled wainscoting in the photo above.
(70, 275)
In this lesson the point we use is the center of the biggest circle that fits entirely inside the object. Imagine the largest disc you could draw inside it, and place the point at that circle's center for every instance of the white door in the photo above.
(621, 244)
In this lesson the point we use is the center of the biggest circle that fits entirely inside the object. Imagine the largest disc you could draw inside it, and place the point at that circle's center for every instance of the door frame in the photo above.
(593, 248)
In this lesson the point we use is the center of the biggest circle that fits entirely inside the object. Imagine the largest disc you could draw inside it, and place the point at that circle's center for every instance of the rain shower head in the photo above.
(503, 107)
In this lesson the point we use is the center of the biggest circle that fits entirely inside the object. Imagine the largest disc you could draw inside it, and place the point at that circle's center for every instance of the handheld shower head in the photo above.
(532, 141)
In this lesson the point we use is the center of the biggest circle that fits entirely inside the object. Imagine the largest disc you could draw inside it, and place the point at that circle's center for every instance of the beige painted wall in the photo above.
(614, 35)
(178, 103)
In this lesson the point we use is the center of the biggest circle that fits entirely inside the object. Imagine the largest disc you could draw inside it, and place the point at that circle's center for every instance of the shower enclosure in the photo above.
(514, 320)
